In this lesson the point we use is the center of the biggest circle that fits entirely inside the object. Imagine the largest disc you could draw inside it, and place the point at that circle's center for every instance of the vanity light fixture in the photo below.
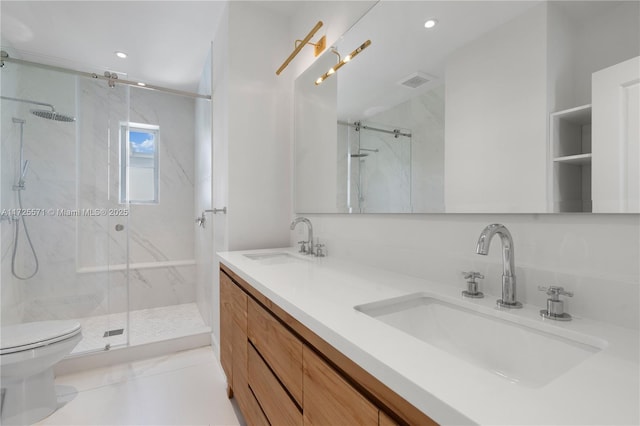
(346, 59)
(430, 23)
(121, 55)
(318, 47)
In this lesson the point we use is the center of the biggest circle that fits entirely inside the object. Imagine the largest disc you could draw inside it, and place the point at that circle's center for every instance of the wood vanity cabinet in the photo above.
(329, 399)
(233, 349)
(281, 373)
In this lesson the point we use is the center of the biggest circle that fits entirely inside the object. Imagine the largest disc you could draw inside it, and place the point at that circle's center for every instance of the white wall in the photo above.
(618, 26)
(581, 42)
(252, 119)
(496, 119)
(259, 120)
(316, 153)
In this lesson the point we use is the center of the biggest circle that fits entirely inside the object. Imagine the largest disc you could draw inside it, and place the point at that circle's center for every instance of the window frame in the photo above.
(125, 156)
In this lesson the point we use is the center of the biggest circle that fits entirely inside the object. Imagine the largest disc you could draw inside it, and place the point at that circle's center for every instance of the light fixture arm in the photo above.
(318, 47)
(338, 54)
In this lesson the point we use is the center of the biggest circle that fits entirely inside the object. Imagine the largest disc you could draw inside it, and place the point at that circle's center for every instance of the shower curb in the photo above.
(88, 361)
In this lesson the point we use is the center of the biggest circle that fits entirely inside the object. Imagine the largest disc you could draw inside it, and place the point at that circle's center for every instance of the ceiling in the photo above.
(167, 42)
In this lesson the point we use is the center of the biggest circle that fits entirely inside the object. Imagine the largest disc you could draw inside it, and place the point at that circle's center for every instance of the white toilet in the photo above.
(28, 353)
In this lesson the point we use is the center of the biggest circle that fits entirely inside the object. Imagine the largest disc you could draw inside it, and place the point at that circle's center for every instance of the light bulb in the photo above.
(430, 23)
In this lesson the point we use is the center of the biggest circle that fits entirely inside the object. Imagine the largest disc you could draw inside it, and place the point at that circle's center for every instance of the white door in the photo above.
(616, 138)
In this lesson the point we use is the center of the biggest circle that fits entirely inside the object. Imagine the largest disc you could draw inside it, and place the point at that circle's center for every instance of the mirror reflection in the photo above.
(497, 107)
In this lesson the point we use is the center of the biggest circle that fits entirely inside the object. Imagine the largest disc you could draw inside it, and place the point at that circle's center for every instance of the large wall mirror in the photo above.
(501, 107)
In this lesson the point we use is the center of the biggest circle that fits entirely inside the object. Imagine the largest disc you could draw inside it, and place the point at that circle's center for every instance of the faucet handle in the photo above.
(472, 276)
(320, 250)
(555, 291)
(303, 247)
(472, 286)
(555, 306)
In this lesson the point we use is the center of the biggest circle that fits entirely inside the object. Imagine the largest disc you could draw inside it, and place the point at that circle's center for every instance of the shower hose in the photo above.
(15, 244)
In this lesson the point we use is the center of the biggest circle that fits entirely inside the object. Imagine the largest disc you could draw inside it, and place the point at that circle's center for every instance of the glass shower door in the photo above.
(103, 245)
(381, 169)
(59, 184)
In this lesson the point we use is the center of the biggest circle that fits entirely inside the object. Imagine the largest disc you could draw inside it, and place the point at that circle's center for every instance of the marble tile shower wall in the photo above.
(45, 142)
(76, 252)
(424, 116)
(10, 289)
(398, 178)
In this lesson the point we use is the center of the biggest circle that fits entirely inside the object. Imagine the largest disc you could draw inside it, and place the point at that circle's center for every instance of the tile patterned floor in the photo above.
(184, 388)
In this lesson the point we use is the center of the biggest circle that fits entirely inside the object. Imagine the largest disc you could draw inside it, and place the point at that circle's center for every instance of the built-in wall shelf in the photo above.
(579, 115)
(579, 159)
(570, 138)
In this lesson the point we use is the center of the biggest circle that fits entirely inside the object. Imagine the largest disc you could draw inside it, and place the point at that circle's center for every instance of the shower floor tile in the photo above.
(146, 325)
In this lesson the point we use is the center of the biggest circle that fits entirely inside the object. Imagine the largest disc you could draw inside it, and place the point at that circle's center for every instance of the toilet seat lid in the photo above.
(29, 335)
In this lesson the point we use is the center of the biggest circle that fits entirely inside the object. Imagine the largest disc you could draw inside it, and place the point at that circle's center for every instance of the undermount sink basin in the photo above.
(523, 353)
(274, 258)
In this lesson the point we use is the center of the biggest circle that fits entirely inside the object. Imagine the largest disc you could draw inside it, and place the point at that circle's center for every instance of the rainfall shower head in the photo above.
(52, 115)
(49, 115)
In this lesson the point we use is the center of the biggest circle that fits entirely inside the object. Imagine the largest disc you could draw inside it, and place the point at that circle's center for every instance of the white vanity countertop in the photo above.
(321, 293)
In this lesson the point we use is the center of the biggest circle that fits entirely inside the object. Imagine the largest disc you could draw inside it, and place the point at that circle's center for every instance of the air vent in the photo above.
(416, 80)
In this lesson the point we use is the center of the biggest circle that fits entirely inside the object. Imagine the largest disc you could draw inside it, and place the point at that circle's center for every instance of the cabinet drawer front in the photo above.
(248, 405)
(274, 400)
(278, 346)
(237, 300)
(226, 326)
(385, 420)
(329, 399)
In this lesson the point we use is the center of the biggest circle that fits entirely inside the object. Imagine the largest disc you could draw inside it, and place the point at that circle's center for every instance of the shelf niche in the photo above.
(571, 154)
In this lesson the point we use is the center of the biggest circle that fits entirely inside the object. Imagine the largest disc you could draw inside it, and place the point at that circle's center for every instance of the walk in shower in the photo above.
(97, 202)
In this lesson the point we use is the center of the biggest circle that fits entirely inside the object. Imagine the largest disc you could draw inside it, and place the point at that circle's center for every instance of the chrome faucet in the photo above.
(508, 263)
(309, 249)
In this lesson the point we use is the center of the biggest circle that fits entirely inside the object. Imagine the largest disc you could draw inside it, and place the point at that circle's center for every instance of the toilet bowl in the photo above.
(28, 353)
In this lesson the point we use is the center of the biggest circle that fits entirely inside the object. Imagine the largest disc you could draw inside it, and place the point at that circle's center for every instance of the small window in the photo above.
(139, 163)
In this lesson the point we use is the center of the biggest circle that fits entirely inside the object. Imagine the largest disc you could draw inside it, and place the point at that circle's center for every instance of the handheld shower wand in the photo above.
(23, 175)
(19, 187)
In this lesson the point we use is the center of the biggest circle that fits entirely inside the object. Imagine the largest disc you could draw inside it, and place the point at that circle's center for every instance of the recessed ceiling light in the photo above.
(141, 84)
(121, 55)
(430, 23)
